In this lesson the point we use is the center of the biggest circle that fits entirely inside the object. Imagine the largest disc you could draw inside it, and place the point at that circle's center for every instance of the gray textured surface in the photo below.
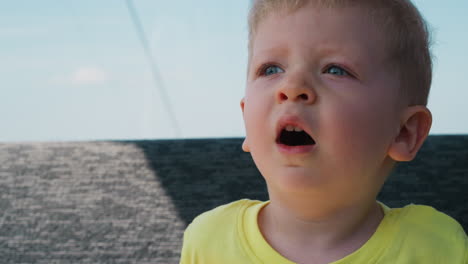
(96, 202)
(129, 201)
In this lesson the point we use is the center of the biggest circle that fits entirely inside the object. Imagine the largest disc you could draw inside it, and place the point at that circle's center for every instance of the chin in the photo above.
(297, 179)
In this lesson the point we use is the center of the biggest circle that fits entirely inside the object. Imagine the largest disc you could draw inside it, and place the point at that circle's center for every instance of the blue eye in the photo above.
(336, 70)
(271, 69)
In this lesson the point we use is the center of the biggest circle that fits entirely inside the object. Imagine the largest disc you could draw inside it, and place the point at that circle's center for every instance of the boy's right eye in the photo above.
(270, 70)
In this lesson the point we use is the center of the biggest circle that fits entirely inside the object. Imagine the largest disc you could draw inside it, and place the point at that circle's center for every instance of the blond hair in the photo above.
(407, 36)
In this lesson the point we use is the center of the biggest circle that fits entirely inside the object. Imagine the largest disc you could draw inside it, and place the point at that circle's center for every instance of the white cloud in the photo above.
(89, 75)
(85, 75)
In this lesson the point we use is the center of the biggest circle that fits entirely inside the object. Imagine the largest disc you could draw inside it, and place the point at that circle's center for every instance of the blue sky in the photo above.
(76, 70)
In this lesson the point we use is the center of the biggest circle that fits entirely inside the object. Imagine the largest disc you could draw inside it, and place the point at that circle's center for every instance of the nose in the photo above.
(296, 89)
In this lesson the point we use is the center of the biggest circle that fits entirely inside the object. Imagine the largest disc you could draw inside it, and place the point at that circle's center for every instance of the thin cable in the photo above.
(154, 69)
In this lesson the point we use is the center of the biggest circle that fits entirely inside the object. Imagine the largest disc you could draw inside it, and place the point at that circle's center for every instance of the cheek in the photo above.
(355, 148)
(257, 133)
(256, 116)
(359, 132)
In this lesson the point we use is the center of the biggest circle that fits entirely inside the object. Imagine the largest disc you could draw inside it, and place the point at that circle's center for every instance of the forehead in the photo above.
(345, 31)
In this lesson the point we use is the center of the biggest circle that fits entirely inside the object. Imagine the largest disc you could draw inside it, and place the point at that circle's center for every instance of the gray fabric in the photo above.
(129, 201)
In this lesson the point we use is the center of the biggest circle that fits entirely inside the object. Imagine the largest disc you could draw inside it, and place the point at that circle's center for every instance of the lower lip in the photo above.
(295, 149)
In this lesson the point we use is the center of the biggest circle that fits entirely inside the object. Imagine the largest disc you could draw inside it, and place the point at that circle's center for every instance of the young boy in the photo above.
(336, 95)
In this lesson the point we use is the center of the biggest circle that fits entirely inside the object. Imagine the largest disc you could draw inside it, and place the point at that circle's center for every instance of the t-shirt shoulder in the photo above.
(428, 228)
(213, 233)
(212, 219)
(220, 211)
(427, 219)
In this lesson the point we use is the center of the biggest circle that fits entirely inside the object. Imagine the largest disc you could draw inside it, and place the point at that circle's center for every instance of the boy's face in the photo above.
(323, 71)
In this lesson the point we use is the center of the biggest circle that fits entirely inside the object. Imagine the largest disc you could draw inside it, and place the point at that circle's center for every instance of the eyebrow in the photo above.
(264, 54)
(273, 51)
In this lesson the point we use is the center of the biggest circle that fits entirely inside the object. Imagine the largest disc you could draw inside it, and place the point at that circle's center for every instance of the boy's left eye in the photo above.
(336, 70)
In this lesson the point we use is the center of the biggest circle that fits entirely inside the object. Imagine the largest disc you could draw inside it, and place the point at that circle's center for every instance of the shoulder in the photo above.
(424, 229)
(223, 214)
(213, 232)
(427, 219)
(218, 223)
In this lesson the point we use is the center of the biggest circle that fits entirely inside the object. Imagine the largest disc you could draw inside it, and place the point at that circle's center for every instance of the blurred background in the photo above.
(147, 69)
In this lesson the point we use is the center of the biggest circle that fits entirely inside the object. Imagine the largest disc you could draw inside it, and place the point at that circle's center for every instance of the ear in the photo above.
(414, 129)
(245, 144)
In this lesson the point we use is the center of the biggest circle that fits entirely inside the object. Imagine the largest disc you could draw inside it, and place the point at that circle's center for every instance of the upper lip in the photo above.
(291, 120)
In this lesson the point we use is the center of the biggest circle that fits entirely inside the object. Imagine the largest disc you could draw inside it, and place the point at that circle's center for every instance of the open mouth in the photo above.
(294, 136)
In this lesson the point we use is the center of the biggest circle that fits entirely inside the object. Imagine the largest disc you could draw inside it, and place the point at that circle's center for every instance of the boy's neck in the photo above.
(323, 237)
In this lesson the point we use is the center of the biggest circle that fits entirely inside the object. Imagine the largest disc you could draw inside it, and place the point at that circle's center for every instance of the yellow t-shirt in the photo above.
(413, 234)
